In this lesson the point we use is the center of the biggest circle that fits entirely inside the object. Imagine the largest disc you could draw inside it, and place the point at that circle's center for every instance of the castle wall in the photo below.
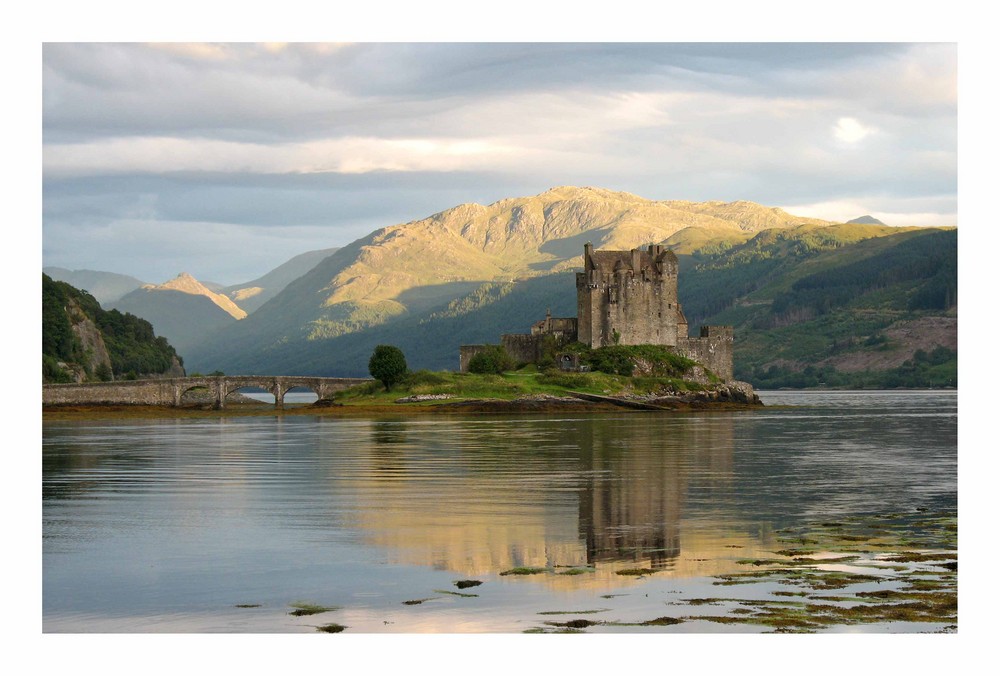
(561, 327)
(522, 347)
(713, 348)
(466, 353)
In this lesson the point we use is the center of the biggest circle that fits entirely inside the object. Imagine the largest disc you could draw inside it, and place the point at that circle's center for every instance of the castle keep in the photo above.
(629, 298)
(624, 298)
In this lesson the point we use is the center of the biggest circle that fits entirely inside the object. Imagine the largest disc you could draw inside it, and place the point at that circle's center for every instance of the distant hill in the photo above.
(251, 295)
(867, 220)
(106, 287)
(83, 342)
(413, 268)
(182, 309)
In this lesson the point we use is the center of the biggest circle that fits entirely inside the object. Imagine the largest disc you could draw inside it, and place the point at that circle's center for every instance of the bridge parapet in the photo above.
(169, 391)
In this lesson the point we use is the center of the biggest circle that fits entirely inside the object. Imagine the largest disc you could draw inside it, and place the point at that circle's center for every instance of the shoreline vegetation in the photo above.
(525, 390)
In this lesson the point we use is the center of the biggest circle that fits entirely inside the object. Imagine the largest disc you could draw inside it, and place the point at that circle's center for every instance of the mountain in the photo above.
(414, 268)
(83, 342)
(252, 295)
(182, 309)
(844, 305)
(867, 220)
(847, 305)
(106, 287)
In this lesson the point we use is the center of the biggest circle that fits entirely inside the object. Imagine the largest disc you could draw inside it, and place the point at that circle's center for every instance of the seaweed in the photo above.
(525, 571)
(302, 609)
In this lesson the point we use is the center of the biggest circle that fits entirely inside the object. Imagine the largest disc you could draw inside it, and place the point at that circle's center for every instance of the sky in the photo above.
(225, 160)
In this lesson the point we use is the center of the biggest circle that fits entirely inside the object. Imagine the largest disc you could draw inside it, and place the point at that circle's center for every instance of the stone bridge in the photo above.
(168, 391)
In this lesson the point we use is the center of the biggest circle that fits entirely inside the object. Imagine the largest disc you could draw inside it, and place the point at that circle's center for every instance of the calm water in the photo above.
(168, 525)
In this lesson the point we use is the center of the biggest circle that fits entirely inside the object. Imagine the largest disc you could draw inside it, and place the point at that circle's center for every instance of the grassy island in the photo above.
(432, 387)
(683, 385)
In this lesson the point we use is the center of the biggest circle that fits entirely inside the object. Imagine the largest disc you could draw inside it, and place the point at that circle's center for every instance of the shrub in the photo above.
(493, 359)
(387, 365)
(621, 360)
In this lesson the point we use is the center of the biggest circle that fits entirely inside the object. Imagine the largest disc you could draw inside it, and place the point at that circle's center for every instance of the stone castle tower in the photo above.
(629, 298)
(624, 298)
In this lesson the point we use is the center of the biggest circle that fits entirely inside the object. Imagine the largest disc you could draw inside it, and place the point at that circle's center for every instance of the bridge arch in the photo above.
(302, 394)
(188, 386)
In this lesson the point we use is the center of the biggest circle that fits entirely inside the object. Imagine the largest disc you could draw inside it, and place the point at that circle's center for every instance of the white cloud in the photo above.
(851, 131)
(346, 155)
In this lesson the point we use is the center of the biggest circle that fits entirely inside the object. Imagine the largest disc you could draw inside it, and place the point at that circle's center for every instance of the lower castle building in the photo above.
(624, 298)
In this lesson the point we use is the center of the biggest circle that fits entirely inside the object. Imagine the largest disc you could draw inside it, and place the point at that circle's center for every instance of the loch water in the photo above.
(225, 524)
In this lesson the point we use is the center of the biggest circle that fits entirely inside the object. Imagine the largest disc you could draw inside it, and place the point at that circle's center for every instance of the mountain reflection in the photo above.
(609, 493)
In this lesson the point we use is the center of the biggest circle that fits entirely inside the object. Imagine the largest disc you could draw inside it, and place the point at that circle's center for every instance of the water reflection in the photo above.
(137, 514)
(479, 497)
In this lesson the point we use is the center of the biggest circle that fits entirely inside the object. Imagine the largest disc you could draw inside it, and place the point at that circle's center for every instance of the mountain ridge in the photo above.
(185, 283)
(378, 279)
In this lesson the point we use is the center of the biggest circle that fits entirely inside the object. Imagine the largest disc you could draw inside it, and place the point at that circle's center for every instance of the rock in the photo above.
(422, 397)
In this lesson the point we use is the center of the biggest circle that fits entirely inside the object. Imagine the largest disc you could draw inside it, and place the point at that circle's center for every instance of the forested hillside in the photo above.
(844, 310)
(81, 341)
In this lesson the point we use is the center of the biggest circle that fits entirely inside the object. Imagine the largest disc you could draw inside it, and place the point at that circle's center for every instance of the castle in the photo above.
(623, 298)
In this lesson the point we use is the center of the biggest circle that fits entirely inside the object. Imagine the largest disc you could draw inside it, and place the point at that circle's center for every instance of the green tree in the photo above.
(387, 365)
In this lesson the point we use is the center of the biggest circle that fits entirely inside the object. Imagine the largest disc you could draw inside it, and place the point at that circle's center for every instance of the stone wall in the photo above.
(523, 348)
(465, 355)
(128, 392)
(713, 349)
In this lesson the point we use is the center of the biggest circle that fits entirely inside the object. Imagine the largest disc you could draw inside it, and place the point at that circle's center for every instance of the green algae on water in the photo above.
(635, 571)
(302, 609)
(417, 602)
(525, 571)
(576, 571)
(573, 612)
(459, 594)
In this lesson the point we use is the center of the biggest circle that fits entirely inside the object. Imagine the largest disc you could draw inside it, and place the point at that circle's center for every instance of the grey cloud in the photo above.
(121, 89)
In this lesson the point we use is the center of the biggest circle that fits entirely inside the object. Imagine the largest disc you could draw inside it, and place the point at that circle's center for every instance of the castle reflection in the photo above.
(605, 493)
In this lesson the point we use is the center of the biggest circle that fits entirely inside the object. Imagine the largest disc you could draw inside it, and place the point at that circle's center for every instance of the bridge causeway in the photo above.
(168, 391)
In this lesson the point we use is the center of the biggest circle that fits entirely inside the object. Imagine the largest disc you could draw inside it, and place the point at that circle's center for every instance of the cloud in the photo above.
(850, 131)
(345, 155)
(925, 211)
